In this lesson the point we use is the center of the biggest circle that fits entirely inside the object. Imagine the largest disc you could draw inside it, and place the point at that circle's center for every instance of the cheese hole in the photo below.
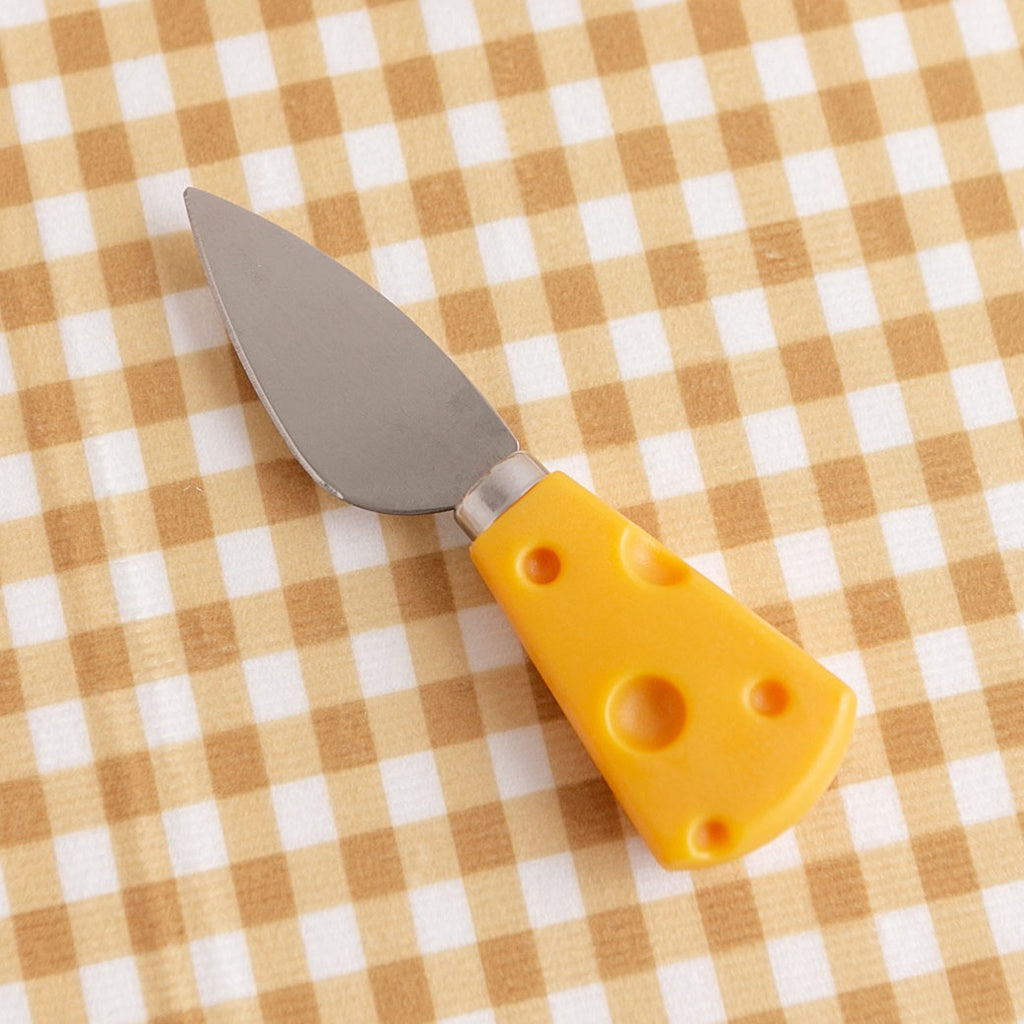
(540, 566)
(769, 698)
(646, 559)
(710, 836)
(646, 713)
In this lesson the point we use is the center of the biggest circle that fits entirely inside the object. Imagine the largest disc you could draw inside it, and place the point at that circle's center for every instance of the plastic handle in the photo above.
(714, 731)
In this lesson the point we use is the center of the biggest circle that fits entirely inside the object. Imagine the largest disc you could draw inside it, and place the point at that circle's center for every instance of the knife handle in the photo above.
(715, 732)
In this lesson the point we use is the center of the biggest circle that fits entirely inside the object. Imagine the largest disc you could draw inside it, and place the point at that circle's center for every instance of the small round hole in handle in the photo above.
(768, 698)
(540, 565)
(710, 837)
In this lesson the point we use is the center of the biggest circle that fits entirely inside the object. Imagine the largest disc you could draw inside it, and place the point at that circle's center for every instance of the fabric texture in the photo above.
(752, 272)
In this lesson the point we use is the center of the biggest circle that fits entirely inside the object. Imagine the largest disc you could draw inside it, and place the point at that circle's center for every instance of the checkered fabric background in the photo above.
(753, 272)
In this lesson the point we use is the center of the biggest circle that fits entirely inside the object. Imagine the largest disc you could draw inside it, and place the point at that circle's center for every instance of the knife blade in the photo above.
(714, 731)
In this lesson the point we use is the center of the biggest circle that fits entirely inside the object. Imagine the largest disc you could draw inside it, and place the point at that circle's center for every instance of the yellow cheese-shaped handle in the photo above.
(714, 731)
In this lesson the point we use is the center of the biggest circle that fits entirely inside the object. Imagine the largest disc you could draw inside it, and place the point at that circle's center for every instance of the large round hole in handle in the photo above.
(648, 561)
(645, 713)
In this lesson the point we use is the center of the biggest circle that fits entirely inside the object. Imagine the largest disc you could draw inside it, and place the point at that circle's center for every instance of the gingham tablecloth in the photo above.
(752, 271)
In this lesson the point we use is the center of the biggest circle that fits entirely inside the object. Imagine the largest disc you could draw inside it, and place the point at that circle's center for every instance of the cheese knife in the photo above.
(714, 731)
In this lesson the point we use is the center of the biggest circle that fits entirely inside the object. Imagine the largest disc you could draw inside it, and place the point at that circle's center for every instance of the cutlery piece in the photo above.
(714, 731)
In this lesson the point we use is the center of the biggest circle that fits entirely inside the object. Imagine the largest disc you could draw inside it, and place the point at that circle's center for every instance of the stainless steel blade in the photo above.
(371, 407)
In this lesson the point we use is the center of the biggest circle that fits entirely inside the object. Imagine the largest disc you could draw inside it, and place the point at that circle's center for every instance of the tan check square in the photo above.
(754, 272)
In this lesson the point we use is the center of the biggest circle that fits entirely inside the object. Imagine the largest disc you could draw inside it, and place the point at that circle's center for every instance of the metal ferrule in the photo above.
(498, 489)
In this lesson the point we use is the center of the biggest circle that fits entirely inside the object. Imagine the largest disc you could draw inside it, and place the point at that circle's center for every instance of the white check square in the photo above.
(195, 840)
(141, 586)
(784, 68)
(546, 14)
(332, 942)
(60, 736)
(1006, 129)
(808, 563)
(506, 248)
(652, 881)
(348, 42)
(912, 537)
(917, 160)
(375, 156)
(221, 440)
(551, 890)
(801, 968)
(713, 203)
(143, 87)
(222, 968)
(909, 945)
(304, 813)
(1006, 510)
(947, 662)
(65, 225)
(354, 538)
(168, 711)
(40, 110)
(641, 345)
(683, 90)
(581, 113)
(412, 787)
(690, 992)
(275, 685)
(885, 45)
(980, 788)
(25, 12)
(610, 227)
(983, 394)
(85, 863)
(7, 383)
(986, 26)
(162, 208)
(112, 991)
(248, 562)
(246, 64)
(487, 636)
(950, 278)
(536, 368)
(478, 133)
(519, 758)
(115, 463)
(744, 324)
(450, 24)
(383, 661)
(193, 321)
(1004, 906)
(874, 813)
(583, 1005)
(273, 179)
(403, 271)
(13, 995)
(781, 854)
(19, 496)
(776, 441)
(815, 181)
(880, 418)
(34, 612)
(847, 299)
(441, 916)
(671, 464)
